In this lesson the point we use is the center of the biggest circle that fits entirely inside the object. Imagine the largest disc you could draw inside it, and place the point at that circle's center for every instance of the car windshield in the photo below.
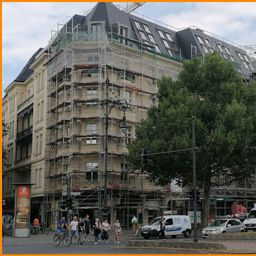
(252, 214)
(155, 221)
(218, 223)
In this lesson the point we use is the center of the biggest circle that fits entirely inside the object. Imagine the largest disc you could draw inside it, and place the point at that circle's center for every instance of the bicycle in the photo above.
(34, 230)
(64, 238)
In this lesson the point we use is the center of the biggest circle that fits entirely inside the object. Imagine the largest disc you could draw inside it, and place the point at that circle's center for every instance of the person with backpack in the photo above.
(161, 228)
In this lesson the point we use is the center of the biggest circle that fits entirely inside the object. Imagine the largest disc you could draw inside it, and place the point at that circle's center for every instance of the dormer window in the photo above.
(168, 36)
(137, 24)
(200, 39)
(146, 27)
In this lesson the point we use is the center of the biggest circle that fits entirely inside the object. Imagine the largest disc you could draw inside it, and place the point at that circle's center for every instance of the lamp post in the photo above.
(109, 104)
(194, 179)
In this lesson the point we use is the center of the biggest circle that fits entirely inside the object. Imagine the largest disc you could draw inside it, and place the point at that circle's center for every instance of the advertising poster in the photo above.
(22, 207)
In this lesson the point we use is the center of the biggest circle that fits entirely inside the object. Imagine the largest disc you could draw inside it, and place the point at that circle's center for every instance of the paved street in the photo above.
(43, 244)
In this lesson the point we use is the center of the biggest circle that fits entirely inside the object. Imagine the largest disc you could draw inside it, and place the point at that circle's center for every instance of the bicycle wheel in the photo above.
(56, 240)
(67, 240)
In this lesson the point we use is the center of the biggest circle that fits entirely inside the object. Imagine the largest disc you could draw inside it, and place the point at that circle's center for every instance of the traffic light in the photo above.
(191, 195)
(197, 196)
(144, 155)
(70, 203)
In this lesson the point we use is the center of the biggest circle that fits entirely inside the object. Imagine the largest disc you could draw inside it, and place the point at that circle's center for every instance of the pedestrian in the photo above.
(62, 225)
(97, 230)
(117, 229)
(74, 228)
(80, 231)
(134, 225)
(161, 228)
(105, 228)
(87, 226)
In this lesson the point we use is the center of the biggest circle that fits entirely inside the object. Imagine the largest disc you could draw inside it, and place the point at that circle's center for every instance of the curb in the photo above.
(234, 236)
(180, 245)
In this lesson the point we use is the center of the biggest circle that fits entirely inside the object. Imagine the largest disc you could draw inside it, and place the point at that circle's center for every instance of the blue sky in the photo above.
(27, 26)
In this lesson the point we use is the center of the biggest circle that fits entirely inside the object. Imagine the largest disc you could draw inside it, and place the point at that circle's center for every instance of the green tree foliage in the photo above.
(225, 117)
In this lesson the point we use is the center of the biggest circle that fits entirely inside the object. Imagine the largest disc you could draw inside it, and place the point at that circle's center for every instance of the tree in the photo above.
(225, 118)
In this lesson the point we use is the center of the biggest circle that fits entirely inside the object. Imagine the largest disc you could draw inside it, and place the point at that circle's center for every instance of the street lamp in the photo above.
(109, 104)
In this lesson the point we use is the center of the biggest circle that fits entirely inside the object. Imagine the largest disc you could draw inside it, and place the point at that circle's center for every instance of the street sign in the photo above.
(198, 216)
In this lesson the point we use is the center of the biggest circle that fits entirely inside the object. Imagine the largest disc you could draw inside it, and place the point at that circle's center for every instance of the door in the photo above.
(171, 229)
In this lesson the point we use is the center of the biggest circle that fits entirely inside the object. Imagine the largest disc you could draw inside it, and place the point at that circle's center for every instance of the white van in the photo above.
(250, 221)
(174, 225)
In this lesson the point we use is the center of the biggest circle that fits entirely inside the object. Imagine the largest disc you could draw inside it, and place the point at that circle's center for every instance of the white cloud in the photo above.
(233, 21)
(27, 27)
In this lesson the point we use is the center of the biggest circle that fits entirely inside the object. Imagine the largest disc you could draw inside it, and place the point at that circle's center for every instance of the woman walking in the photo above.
(117, 229)
(97, 230)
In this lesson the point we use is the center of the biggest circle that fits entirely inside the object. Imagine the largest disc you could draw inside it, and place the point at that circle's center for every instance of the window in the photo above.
(146, 27)
(161, 34)
(170, 52)
(91, 104)
(207, 42)
(151, 38)
(227, 50)
(143, 35)
(205, 48)
(250, 65)
(128, 97)
(157, 48)
(200, 39)
(90, 73)
(126, 76)
(91, 169)
(245, 64)
(123, 31)
(239, 55)
(166, 43)
(91, 140)
(137, 24)
(211, 50)
(246, 58)
(96, 31)
(91, 128)
(168, 222)
(168, 36)
(232, 58)
(93, 58)
(219, 47)
(91, 92)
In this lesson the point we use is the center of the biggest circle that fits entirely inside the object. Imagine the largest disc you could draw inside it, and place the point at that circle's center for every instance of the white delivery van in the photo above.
(250, 221)
(174, 225)
(177, 225)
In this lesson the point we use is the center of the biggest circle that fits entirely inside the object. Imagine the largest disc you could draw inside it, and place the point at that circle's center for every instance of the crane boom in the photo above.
(132, 6)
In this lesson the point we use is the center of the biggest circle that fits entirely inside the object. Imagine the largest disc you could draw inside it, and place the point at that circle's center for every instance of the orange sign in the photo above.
(22, 207)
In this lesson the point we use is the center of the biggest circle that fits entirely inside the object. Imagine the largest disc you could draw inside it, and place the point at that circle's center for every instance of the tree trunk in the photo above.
(206, 206)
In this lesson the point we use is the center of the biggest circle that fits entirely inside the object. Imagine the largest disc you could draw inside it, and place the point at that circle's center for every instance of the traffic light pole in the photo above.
(194, 180)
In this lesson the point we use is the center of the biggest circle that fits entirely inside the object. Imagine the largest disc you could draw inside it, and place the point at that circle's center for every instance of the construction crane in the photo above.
(132, 6)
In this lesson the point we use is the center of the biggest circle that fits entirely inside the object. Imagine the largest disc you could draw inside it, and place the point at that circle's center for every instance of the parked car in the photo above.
(174, 225)
(250, 221)
(222, 226)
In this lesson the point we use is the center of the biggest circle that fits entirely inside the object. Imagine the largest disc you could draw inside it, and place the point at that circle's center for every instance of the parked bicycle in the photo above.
(64, 238)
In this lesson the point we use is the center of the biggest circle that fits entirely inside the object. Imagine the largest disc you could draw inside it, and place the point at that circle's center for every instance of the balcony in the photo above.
(25, 133)
(25, 103)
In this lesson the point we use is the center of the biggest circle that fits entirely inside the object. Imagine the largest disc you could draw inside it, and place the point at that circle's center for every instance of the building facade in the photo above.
(69, 91)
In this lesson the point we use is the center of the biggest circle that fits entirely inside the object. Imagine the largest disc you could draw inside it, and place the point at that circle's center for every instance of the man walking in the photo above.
(87, 227)
(74, 228)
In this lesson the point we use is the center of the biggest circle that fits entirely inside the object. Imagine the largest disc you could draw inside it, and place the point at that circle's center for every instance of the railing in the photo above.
(26, 103)
(25, 133)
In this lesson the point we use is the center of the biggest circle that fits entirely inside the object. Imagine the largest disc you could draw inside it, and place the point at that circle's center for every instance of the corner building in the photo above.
(56, 109)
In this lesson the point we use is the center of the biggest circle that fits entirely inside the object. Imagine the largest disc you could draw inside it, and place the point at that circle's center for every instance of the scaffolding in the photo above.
(80, 62)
